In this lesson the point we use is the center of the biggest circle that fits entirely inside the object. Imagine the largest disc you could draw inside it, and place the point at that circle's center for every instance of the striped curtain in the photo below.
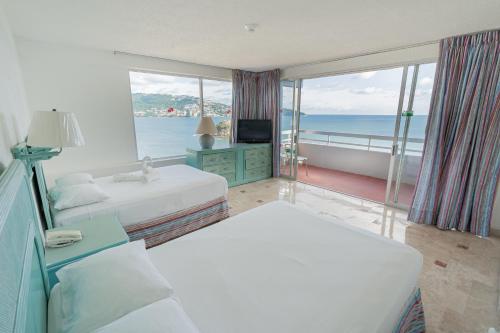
(257, 96)
(461, 159)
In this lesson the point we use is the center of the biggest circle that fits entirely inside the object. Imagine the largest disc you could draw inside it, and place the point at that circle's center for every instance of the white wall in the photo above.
(94, 84)
(14, 112)
(421, 54)
(362, 162)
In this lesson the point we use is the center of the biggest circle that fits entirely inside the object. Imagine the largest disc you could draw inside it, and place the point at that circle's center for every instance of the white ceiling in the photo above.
(211, 32)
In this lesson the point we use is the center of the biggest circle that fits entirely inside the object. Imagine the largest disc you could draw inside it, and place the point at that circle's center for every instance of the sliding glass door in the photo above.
(290, 117)
(361, 133)
(409, 133)
(346, 131)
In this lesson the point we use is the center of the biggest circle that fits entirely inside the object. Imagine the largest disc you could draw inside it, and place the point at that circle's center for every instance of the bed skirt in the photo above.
(165, 228)
(412, 319)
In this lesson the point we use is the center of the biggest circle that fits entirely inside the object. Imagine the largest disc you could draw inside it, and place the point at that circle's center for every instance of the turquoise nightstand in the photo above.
(98, 234)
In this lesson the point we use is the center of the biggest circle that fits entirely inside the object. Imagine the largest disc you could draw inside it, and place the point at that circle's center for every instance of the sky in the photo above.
(149, 83)
(372, 93)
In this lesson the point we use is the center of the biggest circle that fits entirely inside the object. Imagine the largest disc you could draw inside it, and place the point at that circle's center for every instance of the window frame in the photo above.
(201, 104)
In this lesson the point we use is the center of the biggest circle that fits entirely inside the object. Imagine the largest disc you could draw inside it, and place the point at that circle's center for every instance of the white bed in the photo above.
(275, 269)
(179, 188)
(280, 269)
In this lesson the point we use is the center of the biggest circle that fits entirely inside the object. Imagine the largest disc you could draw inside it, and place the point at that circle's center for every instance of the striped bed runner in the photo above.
(165, 228)
(412, 318)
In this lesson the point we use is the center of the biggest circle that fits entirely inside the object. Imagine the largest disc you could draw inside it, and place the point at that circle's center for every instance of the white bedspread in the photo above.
(280, 269)
(180, 187)
(164, 316)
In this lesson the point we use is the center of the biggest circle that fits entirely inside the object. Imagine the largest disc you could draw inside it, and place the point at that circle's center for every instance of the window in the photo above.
(351, 108)
(217, 103)
(167, 110)
(359, 110)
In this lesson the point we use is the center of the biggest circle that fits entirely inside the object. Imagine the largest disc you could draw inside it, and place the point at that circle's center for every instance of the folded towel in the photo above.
(147, 176)
(128, 177)
(147, 164)
(151, 175)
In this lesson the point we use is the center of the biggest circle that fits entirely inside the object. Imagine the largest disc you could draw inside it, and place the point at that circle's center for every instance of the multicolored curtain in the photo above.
(257, 96)
(461, 159)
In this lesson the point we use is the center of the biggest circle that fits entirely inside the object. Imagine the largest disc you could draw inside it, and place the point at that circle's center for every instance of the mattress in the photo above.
(179, 188)
(278, 268)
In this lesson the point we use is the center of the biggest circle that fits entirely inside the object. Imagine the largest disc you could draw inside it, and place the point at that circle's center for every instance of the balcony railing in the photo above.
(367, 142)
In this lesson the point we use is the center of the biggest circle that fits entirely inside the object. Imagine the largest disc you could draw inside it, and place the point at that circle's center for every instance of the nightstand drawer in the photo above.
(221, 168)
(212, 159)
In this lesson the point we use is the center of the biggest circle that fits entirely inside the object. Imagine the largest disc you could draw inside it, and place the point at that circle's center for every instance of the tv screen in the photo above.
(255, 131)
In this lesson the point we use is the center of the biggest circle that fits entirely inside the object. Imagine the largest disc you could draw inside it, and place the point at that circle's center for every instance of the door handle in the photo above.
(394, 150)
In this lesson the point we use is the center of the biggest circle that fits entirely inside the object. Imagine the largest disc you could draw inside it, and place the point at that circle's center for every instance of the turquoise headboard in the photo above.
(23, 277)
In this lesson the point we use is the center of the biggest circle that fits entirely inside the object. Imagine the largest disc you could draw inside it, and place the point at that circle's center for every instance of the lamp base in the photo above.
(206, 141)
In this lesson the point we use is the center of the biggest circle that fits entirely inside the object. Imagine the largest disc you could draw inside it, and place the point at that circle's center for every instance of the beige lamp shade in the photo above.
(206, 126)
(54, 129)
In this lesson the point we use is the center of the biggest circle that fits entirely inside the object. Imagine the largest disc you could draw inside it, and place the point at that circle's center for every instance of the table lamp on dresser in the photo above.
(207, 130)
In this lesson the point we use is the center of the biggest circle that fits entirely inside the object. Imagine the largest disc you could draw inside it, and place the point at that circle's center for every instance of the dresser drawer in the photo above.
(258, 153)
(211, 159)
(230, 177)
(222, 168)
(256, 163)
(263, 172)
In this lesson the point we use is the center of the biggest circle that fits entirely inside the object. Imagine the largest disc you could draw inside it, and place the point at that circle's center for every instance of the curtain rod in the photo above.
(115, 52)
(397, 48)
(357, 55)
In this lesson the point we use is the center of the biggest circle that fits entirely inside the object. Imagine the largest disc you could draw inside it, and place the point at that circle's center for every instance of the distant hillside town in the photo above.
(164, 105)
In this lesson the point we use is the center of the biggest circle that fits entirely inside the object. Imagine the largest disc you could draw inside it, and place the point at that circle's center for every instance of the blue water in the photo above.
(360, 124)
(160, 137)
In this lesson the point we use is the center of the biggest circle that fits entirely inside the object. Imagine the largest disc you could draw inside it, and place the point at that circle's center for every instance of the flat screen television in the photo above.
(255, 131)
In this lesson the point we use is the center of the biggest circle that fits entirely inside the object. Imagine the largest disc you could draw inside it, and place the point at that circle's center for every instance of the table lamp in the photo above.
(49, 133)
(207, 129)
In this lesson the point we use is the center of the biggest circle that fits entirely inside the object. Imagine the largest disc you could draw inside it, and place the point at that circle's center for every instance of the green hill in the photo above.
(148, 103)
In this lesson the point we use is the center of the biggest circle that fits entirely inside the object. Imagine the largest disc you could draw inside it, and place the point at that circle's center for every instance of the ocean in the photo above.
(160, 137)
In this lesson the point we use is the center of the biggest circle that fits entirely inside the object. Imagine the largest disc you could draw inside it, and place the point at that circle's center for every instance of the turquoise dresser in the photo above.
(239, 163)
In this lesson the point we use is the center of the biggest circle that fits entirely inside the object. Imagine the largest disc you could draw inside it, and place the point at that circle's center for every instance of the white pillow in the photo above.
(75, 179)
(76, 195)
(106, 286)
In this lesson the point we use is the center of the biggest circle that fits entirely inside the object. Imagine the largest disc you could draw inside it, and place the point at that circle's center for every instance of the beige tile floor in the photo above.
(460, 277)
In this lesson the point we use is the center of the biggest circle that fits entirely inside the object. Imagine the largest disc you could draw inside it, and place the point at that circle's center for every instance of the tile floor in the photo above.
(460, 277)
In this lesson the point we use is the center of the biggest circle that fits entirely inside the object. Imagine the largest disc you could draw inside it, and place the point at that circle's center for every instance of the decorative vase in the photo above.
(206, 141)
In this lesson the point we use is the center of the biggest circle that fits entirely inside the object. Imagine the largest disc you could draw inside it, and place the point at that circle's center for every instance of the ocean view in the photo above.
(169, 136)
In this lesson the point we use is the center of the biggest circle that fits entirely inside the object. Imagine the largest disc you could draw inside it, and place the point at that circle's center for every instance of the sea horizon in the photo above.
(170, 136)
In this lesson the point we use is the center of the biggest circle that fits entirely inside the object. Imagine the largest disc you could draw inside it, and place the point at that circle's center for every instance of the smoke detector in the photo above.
(250, 27)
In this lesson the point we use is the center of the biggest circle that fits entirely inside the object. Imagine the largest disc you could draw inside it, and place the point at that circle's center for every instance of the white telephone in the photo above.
(60, 238)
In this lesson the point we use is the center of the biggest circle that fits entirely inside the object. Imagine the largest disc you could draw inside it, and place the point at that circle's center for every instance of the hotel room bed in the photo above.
(277, 268)
(182, 200)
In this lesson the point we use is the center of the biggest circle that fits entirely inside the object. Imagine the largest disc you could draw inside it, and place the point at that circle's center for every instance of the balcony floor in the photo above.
(366, 187)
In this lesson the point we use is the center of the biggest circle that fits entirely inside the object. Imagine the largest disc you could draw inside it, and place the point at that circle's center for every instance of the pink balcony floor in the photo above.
(366, 187)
